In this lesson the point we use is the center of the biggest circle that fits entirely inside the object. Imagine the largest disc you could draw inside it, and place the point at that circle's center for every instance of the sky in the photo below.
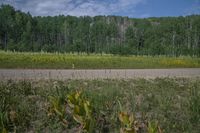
(130, 8)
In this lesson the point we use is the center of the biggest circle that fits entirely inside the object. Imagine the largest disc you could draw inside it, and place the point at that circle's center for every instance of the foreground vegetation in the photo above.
(159, 105)
(94, 61)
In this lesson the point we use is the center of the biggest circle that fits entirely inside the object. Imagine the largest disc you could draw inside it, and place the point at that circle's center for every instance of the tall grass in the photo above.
(194, 104)
(173, 103)
(93, 61)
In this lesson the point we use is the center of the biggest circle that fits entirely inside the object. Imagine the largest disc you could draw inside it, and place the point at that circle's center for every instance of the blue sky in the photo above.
(130, 8)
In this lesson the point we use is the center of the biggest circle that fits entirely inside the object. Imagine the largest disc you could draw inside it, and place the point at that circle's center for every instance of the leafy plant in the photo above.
(57, 108)
(131, 125)
(153, 127)
(81, 111)
(8, 121)
(127, 121)
(194, 104)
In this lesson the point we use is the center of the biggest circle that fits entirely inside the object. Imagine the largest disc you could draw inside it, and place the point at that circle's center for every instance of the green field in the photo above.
(42, 106)
(92, 61)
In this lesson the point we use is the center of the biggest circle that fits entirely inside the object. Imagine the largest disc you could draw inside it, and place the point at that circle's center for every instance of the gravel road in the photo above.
(38, 74)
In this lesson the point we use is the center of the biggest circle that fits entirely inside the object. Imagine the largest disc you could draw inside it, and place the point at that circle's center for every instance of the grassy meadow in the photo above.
(149, 106)
(92, 61)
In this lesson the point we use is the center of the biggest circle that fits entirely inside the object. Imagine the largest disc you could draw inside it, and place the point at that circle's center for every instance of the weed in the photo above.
(153, 127)
(194, 104)
(72, 61)
(174, 103)
(81, 111)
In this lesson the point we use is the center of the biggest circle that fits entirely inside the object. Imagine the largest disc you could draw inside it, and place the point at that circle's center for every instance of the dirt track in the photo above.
(37, 74)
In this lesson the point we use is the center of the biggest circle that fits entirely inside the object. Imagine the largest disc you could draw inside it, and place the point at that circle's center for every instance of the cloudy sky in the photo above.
(131, 8)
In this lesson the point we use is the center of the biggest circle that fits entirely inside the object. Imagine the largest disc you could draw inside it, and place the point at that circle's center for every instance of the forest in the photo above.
(170, 36)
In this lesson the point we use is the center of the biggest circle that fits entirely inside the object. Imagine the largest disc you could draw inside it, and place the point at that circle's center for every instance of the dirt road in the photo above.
(38, 74)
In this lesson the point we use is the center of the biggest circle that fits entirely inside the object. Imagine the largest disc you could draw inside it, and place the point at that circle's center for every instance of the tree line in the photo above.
(171, 36)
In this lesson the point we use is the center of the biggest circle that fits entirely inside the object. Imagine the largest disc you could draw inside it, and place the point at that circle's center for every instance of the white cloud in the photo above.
(73, 7)
(93, 8)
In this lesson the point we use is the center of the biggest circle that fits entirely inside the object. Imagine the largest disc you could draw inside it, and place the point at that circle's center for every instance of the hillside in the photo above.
(172, 36)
